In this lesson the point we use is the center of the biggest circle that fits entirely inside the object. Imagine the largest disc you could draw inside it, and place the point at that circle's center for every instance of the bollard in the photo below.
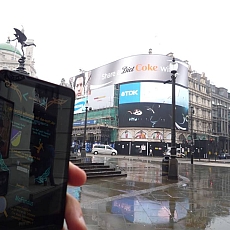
(83, 152)
(165, 166)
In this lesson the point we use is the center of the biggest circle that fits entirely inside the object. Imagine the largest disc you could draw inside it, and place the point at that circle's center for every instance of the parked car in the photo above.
(178, 154)
(103, 149)
(224, 156)
(167, 152)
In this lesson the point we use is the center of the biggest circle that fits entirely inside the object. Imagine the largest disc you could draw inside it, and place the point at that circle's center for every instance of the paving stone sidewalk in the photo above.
(200, 199)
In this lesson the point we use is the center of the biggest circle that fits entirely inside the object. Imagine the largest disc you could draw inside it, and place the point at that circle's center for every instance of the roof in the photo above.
(8, 47)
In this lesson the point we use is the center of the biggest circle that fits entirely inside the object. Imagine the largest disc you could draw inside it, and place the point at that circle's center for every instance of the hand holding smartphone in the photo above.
(35, 139)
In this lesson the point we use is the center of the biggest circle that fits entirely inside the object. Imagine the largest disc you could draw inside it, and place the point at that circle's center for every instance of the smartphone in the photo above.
(36, 119)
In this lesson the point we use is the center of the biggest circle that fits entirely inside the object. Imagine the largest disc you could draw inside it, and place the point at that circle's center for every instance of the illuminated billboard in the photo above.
(97, 99)
(149, 104)
(97, 86)
(145, 67)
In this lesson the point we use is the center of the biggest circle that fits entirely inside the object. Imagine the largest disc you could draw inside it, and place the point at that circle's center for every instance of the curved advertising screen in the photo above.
(97, 86)
(149, 104)
(144, 67)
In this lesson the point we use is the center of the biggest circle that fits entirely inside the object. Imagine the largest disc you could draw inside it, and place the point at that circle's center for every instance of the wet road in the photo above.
(146, 200)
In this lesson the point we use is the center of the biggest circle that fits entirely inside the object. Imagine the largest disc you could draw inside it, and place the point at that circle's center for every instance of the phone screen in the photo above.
(36, 120)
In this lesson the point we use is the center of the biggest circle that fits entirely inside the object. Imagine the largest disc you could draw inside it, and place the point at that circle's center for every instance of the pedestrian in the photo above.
(75, 146)
(150, 152)
(140, 151)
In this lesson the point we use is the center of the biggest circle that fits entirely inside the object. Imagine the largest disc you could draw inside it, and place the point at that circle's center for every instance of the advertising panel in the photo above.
(129, 93)
(101, 98)
(89, 122)
(149, 104)
(146, 67)
(152, 92)
(97, 99)
(79, 105)
(78, 85)
(96, 86)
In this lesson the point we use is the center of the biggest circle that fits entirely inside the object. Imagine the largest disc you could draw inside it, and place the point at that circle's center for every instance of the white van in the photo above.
(103, 149)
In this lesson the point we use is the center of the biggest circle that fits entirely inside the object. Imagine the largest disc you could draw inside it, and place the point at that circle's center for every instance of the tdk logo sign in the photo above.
(129, 93)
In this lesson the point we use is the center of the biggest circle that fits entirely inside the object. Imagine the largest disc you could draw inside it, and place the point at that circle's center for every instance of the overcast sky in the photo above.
(72, 35)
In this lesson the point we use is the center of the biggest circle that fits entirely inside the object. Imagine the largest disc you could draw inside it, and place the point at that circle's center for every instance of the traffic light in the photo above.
(194, 136)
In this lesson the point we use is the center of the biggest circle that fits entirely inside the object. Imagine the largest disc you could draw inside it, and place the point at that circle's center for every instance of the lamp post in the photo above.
(192, 144)
(163, 128)
(83, 152)
(106, 136)
(173, 163)
(163, 138)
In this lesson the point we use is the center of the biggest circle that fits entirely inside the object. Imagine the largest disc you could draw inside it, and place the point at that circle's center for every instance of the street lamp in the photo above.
(163, 120)
(192, 144)
(83, 152)
(163, 138)
(173, 163)
(106, 136)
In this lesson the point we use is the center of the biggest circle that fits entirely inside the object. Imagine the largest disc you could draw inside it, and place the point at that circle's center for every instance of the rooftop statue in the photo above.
(21, 37)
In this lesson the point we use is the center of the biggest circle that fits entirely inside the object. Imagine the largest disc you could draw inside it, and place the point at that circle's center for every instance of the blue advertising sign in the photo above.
(79, 106)
(129, 93)
(89, 122)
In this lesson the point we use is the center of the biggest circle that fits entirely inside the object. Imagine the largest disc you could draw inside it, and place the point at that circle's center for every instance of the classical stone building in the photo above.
(220, 117)
(209, 109)
(200, 111)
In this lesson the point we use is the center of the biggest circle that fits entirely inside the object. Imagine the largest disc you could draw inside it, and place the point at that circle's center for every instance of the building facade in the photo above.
(205, 118)
(200, 113)
(209, 109)
(220, 118)
(131, 104)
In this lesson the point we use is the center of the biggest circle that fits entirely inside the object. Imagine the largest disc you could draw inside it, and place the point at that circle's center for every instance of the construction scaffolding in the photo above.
(102, 124)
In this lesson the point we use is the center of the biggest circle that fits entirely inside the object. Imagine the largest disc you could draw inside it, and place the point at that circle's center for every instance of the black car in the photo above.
(224, 156)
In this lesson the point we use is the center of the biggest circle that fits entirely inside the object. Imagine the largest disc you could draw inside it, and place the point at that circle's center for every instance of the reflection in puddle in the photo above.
(142, 210)
(144, 198)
